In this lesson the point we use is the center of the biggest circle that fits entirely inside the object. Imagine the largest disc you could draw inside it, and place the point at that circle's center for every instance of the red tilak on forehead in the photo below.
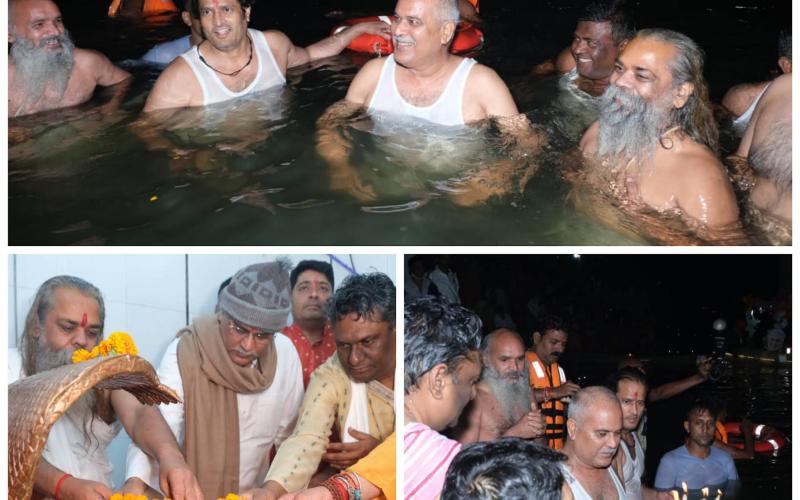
(84, 320)
(636, 395)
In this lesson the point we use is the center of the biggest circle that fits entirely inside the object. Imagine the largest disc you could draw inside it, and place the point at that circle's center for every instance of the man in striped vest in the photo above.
(548, 381)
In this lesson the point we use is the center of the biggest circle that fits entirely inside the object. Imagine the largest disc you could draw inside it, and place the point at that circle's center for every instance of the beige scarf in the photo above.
(211, 381)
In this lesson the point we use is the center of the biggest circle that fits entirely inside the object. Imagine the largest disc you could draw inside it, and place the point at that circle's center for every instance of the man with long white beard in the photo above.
(45, 69)
(69, 314)
(656, 138)
(503, 405)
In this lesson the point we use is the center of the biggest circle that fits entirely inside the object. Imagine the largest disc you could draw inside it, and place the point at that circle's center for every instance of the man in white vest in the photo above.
(234, 61)
(354, 390)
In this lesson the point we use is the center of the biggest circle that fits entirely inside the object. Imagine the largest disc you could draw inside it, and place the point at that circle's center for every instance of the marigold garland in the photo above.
(116, 343)
(230, 496)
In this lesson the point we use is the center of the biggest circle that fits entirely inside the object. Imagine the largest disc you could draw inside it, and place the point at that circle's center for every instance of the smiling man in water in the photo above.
(234, 61)
(45, 69)
(423, 81)
(656, 140)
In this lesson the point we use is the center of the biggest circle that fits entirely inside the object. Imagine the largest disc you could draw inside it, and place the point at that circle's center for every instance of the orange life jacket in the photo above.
(555, 412)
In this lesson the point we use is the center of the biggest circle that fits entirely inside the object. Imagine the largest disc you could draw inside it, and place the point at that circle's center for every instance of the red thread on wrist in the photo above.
(58, 484)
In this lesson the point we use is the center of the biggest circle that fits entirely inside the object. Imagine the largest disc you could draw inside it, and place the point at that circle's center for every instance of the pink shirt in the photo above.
(311, 355)
(427, 456)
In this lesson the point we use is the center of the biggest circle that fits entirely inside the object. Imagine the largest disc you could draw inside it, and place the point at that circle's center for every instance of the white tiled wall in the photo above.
(148, 296)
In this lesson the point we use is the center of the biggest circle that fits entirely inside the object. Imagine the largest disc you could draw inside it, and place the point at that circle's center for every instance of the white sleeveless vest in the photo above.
(447, 110)
(577, 488)
(633, 469)
(214, 91)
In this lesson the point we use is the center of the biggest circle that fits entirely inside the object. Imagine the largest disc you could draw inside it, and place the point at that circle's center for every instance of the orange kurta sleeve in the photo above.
(379, 467)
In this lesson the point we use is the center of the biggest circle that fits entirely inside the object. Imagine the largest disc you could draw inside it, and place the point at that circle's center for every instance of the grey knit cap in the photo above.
(259, 295)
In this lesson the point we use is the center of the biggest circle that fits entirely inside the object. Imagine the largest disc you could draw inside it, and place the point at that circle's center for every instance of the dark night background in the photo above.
(660, 307)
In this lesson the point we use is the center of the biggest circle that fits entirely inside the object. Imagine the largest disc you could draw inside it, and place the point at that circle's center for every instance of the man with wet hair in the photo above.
(548, 380)
(442, 366)
(165, 52)
(593, 433)
(655, 143)
(68, 314)
(504, 405)
(45, 69)
(234, 61)
(354, 390)
(741, 100)
(601, 33)
(240, 383)
(312, 284)
(505, 469)
(698, 463)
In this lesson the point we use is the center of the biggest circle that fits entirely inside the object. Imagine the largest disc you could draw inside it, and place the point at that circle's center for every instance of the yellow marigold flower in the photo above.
(104, 348)
(81, 355)
(116, 496)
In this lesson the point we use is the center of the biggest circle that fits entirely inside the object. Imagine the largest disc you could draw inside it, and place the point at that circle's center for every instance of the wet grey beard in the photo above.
(631, 128)
(514, 397)
(38, 69)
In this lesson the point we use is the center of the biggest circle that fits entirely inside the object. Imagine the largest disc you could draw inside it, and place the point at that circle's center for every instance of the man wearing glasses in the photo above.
(241, 385)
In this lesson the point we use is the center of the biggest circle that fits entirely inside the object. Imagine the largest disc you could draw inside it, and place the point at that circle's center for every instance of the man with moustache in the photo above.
(593, 433)
(698, 463)
(240, 381)
(767, 145)
(234, 61)
(503, 405)
(422, 81)
(601, 33)
(548, 380)
(67, 314)
(45, 70)
(353, 391)
(311, 282)
(656, 140)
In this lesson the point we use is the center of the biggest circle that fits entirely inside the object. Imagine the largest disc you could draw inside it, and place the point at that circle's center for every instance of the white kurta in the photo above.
(67, 447)
(265, 419)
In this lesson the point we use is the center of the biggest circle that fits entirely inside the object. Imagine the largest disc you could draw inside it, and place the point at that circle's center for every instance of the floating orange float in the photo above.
(467, 37)
(767, 439)
(156, 7)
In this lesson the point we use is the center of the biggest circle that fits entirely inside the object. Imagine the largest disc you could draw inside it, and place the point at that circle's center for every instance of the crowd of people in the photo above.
(484, 419)
(267, 409)
(654, 143)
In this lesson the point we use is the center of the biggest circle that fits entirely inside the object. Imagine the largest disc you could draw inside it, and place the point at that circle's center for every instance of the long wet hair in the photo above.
(43, 302)
(696, 117)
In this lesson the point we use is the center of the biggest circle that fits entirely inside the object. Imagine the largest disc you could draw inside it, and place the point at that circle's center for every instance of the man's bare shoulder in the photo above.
(277, 40)
(565, 61)
(89, 58)
(588, 143)
(741, 96)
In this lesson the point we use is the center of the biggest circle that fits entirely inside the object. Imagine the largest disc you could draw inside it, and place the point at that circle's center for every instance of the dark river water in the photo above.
(247, 173)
